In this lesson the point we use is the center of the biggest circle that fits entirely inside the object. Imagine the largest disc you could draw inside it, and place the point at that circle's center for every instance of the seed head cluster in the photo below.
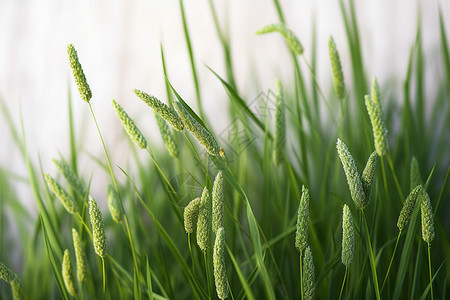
(130, 127)
(203, 221)
(309, 286)
(376, 118)
(167, 136)
(301, 235)
(280, 125)
(220, 268)
(427, 217)
(408, 207)
(80, 256)
(338, 75)
(191, 212)
(70, 176)
(67, 201)
(368, 175)
(291, 39)
(98, 228)
(348, 237)
(217, 202)
(67, 273)
(80, 79)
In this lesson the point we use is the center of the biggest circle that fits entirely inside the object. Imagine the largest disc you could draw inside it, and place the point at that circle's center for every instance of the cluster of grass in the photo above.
(207, 220)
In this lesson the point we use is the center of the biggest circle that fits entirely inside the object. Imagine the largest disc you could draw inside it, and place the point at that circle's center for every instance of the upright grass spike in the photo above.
(78, 74)
(198, 131)
(408, 207)
(80, 256)
(98, 228)
(338, 75)
(191, 212)
(167, 136)
(133, 132)
(66, 200)
(427, 217)
(301, 235)
(351, 172)
(220, 267)
(291, 39)
(368, 175)
(373, 106)
(217, 202)
(203, 221)
(70, 176)
(309, 286)
(348, 237)
(67, 273)
(114, 204)
(414, 174)
(6, 274)
(280, 125)
(168, 113)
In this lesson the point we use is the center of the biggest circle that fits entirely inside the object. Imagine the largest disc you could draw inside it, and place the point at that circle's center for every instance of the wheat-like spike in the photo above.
(133, 132)
(115, 208)
(217, 202)
(6, 273)
(98, 228)
(198, 131)
(408, 207)
(280, 125)
(291, 39)
(414, 176)
(70, 176)
(373, 106)
(191, 212)
(167, 136)
(368, 175)
(167, 112)
(80, 256)
(427, 217)
(309, 286)
(17, 290)
(220, 268)
(80, 79)
(66, 200)
(348, 237)
(67, 273)
(301, 235)
(338, 75)
(351, 172)
(203, 221)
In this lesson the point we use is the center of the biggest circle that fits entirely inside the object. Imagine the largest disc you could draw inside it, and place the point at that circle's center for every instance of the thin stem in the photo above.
(429, 269)
(371, 258)
(208, 279)
(385, 180)
(343, 283)
(104, 276)
(390, 264)
(397, 184)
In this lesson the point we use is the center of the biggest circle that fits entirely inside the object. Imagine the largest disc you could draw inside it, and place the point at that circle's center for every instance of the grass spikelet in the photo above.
(427, 217)
(220, 268)
(168, 113)
(408, 207)
(280, 125)
(291, 40)
(217, 202)
(98, 228)
(80, 256)
(376, 118)
(348, 237)
(133, 132)
(113, 204)
(78, 74)
(368, 175)
(198, 131)
(66, 200)
(203, 221)
(6, 274)
(309, 287)
(167, 136)
(353, 178)
(70, 176)
(191, 215)
(338, 75)
(414, 176)
(67, 273)
(301, 235)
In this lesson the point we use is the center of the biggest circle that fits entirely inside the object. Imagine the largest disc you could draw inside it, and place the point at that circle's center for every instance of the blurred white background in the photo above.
(118, 44)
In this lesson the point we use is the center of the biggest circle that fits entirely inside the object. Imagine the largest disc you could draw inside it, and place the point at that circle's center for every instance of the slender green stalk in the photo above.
(390, 263)
(371, 258)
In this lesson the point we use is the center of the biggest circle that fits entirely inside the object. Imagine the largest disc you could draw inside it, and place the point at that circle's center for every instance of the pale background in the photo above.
(118, 45)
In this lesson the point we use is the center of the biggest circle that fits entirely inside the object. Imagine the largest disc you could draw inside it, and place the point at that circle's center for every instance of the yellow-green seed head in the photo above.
(66, 200)
(415, 178)
(70, 176)
(6, 274)
(130, 127)
(338, 75)
(80, 79)
(348, 237)
(167, 136)
(198, 131)
(373, 106)
(309, 286)
(191, 215)
(17, 290)
(353, 178)
(280, 126)
(98, 228)
(67, 273)
(408, 207)
(115, 208)
(217, 202)
(291, 39)
(368, 175)
(220, 268)
(168, 113)
(427, 217)
(301, 235)
(80, 256)
(203, 221)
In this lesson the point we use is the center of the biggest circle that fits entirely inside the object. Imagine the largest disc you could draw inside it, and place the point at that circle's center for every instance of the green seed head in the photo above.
(66, 200)
(191, 215)
(309, 287)
(368, 175)
(280, 126)
(168, 113)
(6, 274)
(353, 178)
(80, 256)
(70, 176)
(217, 202)
(115, 208)
(415, 178)
(198, 131)
(292, 41)
(301, 235)
(427, 217)
(338, 75)
(220, 268)
(203, 221)
(98, 228)
(67, 273)
(348, 237)
(129, 125)
(80, 79)
(376, 118)
(167, 136)
(408, 207)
